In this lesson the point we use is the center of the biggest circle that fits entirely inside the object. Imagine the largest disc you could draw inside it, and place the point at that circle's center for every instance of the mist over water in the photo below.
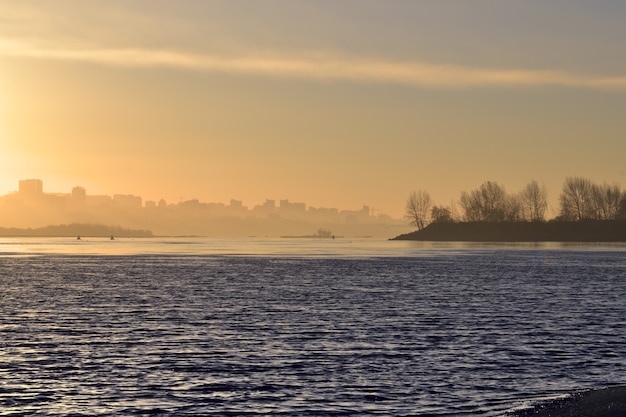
(349, 329)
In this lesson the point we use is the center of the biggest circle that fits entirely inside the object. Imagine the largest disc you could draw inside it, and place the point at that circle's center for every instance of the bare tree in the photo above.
(614, 197)
(489, 203)
(576, 199)
(621, 212)
(513, 208)
(605, 201)
(534, 201)
(417, 208)
(495, 201)
(471, 204)
(598, 203)
(441, 214)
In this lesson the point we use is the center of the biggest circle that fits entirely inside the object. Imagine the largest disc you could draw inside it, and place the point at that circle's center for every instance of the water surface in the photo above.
(434, 330)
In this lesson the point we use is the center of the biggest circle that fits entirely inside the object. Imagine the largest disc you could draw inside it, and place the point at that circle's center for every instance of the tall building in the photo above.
(78, 197)
(31, 188)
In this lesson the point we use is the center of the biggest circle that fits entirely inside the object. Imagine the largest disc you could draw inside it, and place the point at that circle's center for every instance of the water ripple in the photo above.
(204, 335)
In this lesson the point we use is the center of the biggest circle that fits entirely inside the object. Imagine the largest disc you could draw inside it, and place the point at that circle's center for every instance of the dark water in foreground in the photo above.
(469, 332)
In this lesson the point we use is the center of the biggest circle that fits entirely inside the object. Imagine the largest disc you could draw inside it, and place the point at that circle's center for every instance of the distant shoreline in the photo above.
(553, 231)
(311, 237)
(73, 230)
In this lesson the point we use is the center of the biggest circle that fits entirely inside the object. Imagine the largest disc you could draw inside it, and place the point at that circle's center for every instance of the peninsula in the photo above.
(552, 231)
(588, 212)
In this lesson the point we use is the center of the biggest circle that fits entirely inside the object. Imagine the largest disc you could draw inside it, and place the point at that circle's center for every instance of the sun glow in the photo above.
(7, 179)
(7, 157)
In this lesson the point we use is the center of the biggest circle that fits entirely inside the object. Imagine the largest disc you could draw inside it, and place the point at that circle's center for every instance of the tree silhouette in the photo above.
(605, 201)
(417, 208)
(441, 214)
(489, 203)
(534, 201)
(576, 199)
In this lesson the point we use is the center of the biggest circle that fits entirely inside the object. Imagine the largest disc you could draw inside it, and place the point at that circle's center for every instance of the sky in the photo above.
(335, 103)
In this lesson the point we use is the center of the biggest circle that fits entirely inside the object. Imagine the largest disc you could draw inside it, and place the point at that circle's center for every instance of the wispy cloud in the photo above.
(319, 66)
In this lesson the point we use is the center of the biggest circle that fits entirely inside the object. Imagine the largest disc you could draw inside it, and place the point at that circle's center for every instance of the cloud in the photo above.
(319, 66)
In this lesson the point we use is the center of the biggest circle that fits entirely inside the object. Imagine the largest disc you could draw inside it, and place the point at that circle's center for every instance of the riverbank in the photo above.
(553, 231)
(74, 229)
(607, 402)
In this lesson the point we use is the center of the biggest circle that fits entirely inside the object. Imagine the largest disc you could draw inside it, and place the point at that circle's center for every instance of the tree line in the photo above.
(580, 199)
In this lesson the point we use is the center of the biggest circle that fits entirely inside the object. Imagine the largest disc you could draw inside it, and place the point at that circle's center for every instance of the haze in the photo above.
(336, 103)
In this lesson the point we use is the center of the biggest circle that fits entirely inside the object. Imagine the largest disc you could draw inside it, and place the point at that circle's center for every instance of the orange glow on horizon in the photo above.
(217, 102)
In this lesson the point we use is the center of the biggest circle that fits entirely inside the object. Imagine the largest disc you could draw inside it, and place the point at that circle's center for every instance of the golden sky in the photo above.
(332, 103)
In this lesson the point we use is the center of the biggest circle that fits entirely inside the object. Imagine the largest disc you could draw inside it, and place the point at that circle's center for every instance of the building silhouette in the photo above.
(31, 207)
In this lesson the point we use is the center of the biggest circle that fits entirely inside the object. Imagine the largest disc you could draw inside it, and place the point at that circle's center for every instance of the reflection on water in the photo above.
(267, 246)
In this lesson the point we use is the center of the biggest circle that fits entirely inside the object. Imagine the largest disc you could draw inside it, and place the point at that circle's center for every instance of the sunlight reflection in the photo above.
(272, 247)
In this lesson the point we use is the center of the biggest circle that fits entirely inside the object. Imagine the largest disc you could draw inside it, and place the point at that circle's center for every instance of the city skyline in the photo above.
(34, 187)
(32, 207)
(335, 103)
